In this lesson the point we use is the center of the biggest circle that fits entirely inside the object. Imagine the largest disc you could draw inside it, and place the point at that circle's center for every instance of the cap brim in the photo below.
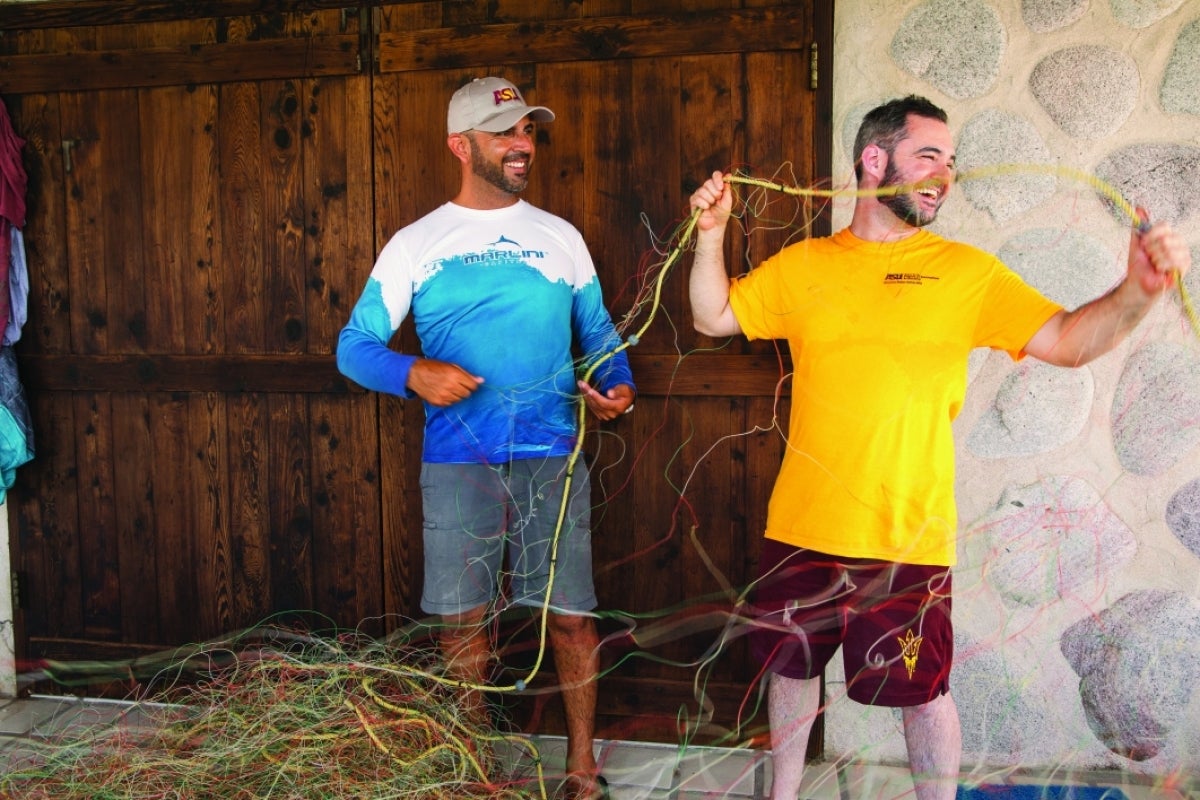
(511, 116)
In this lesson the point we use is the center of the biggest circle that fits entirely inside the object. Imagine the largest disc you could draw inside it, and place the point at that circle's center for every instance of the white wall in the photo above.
(8, 667)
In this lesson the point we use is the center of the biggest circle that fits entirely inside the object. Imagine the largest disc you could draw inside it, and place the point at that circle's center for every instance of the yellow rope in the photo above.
(1104, 188)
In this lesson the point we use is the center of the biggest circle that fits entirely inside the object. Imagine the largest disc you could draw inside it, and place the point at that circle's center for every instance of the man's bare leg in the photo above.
(933, 735)
(577, 659)
(467, 650)
(792, 708)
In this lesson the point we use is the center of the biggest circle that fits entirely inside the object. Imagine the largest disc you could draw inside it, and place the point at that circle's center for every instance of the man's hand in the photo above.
(708, 285)
(610, 405)
(440, 383)
(714, 201)
(1157, 255)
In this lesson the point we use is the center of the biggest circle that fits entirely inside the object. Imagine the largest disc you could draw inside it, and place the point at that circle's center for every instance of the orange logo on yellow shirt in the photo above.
(909, 645)
(908, 277)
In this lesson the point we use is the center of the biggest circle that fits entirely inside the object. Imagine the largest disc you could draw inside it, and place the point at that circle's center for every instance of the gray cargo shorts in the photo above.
(476, 513)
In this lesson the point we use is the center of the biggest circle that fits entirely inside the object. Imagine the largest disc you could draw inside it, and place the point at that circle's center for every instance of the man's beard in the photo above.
(902, 204)
(494, 173)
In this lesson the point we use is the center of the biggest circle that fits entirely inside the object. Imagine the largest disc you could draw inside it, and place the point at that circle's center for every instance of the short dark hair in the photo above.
(887, 124)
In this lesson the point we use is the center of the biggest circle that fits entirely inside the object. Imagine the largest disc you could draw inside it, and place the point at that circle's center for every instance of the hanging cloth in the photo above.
(16, 431)
(12, 172)
(13, 182)
(18, 289)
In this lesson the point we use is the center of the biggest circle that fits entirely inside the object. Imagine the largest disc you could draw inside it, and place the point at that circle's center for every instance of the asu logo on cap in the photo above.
(491, 105)
(505, 95)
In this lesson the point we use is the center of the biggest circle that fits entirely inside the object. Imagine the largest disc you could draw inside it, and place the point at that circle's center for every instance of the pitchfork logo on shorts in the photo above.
(909, 645)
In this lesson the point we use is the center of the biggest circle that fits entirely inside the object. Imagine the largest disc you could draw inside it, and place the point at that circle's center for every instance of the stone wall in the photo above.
(1077, 594)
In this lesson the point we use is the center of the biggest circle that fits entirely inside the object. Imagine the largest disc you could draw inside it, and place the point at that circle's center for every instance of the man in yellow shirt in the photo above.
(861, 525)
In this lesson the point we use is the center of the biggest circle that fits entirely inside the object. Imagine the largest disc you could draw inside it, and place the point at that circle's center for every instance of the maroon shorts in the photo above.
(891, 620)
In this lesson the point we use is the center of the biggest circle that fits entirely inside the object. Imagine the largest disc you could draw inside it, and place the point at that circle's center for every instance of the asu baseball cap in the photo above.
(492, 105)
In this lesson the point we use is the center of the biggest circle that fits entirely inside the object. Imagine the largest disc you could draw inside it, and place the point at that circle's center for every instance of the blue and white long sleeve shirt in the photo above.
(503, 294)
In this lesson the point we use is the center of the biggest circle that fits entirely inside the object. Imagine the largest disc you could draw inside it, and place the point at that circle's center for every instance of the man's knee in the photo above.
(571, 624)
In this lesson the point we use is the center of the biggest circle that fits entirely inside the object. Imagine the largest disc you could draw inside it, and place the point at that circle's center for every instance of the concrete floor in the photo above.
(635, 770)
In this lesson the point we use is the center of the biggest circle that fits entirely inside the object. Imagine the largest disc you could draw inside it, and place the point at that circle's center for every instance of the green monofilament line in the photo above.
(278, 715)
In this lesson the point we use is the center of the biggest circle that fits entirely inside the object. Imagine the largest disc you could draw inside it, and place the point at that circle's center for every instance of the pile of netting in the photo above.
(298, 719)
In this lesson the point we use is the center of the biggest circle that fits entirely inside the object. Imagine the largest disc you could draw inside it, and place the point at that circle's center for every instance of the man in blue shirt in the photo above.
(500, 292)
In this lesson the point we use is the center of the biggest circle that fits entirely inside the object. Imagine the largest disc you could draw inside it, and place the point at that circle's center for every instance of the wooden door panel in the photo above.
(346, 513)
(133, 494)
(103, 213)
(207, 450)
(241, 214)
(44, 507)
(643, 35)
(282, 124)
(205, 220)
(178, 303)
(99, 545)
(251, 545)
(49, 300)
(339, 197)
(290, 498)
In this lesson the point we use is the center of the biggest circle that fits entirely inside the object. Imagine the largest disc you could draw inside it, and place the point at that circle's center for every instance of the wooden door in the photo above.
(196, 189)
(207, 196)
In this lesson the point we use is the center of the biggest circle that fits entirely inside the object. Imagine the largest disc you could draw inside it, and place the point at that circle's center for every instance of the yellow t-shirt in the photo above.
(879, 335)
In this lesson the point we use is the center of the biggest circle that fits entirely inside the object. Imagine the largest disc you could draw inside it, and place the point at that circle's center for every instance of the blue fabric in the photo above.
(1037, 792)
(507, 295)
(16, 429)
(18, 289)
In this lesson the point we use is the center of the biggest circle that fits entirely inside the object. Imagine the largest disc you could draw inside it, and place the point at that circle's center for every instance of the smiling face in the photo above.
(921, 169)
(503, 159)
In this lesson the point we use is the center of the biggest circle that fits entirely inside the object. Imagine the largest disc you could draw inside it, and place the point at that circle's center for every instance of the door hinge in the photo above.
(814, 73)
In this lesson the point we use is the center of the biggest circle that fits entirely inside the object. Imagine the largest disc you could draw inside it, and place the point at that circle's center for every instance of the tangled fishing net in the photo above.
(308, 718)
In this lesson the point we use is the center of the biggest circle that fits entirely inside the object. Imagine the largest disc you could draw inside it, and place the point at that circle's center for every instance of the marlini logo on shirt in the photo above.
(495, 255)
(908, 277)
